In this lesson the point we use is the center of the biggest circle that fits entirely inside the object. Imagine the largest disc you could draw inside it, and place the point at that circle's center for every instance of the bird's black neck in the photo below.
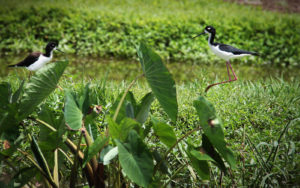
(211, 39)
(48, 53)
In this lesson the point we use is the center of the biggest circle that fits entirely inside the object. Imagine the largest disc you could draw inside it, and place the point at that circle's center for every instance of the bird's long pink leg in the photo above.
(235, 78)
(228, 70)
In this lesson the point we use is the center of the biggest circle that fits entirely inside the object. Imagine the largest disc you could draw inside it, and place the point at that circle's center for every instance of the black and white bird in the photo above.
(37, 60)
(225, 52)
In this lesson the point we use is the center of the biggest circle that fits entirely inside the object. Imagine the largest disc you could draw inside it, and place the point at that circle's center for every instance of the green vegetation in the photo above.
(260, 121)
(132, 121)
(114, 28)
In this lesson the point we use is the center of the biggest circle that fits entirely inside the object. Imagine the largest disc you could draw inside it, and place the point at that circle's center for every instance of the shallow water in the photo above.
(97, 68)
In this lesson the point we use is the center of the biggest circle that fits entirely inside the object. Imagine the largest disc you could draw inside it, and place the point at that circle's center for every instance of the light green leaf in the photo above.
(136, 159)
(213, 129)
(73, 114)
(164, 132)
(111, 154)
(41, 84)
(159, 79)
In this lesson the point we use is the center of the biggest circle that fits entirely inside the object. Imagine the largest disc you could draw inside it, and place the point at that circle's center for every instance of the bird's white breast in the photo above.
(219, 53)
(42, 60)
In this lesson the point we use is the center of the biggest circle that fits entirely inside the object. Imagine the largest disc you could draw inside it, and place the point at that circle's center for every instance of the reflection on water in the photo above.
(96, 68)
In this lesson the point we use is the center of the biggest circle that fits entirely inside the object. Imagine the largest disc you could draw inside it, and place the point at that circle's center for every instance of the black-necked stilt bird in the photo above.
(37, 60)
(223, 51)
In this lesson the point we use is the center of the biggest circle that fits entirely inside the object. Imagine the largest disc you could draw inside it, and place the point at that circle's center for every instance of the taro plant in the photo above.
(118, 154)
(14, 114)
(129, 146)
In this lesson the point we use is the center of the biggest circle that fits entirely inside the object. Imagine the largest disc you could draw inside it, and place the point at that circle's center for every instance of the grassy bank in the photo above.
(253, 113)
(113, 28)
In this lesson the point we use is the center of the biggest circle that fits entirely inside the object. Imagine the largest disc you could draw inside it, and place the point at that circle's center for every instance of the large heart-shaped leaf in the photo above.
(40, 86)
(73, 114)
(136, 159)
(213, 129)
(159, 79)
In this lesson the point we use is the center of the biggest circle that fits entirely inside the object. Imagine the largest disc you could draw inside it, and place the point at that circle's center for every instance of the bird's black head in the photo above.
(209, 29)
(51, 46)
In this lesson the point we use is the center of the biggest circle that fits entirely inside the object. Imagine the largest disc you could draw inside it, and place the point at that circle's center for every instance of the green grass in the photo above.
(113, 29)
(258, 109)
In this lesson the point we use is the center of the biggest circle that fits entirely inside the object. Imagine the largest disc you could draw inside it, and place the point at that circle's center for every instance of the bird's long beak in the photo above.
(199, 35)
(59, 50)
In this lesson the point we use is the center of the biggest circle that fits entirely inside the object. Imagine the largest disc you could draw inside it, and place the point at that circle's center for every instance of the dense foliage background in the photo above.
(113, 28)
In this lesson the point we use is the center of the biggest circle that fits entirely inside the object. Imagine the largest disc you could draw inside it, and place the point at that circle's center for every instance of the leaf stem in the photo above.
(175, 173)
(171, 148)
(124, 95)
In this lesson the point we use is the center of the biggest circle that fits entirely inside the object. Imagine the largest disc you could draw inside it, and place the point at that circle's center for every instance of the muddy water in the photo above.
(97, 68)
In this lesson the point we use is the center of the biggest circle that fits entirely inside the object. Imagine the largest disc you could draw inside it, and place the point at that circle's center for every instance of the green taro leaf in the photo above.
(136, 159)
(144, 107)
(41, 84)
(159, 79)
(94, 149)
(5, 94)
(213, 129)
(73, 114)
(208, 148)
(164, 132)
(16, 95)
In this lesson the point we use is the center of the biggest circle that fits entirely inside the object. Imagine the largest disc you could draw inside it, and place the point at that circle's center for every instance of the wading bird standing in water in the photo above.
(225, 52)
(37, 60)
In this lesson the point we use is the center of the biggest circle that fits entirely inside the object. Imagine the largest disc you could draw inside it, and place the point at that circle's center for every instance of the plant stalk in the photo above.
(171, 148)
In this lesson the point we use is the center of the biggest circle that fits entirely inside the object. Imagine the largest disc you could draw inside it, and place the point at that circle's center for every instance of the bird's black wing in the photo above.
(235, 51)
(31, 58)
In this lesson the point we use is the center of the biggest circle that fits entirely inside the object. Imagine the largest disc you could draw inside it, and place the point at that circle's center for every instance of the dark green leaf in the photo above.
(40, 157)
(24, 176)
(159, 79)
(213, 129)
(136, 159)
(5, 94)
(144, 108)
(210, 150)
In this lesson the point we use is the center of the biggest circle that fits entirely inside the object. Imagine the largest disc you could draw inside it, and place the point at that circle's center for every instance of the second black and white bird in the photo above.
(36, 60)
(223, 51)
